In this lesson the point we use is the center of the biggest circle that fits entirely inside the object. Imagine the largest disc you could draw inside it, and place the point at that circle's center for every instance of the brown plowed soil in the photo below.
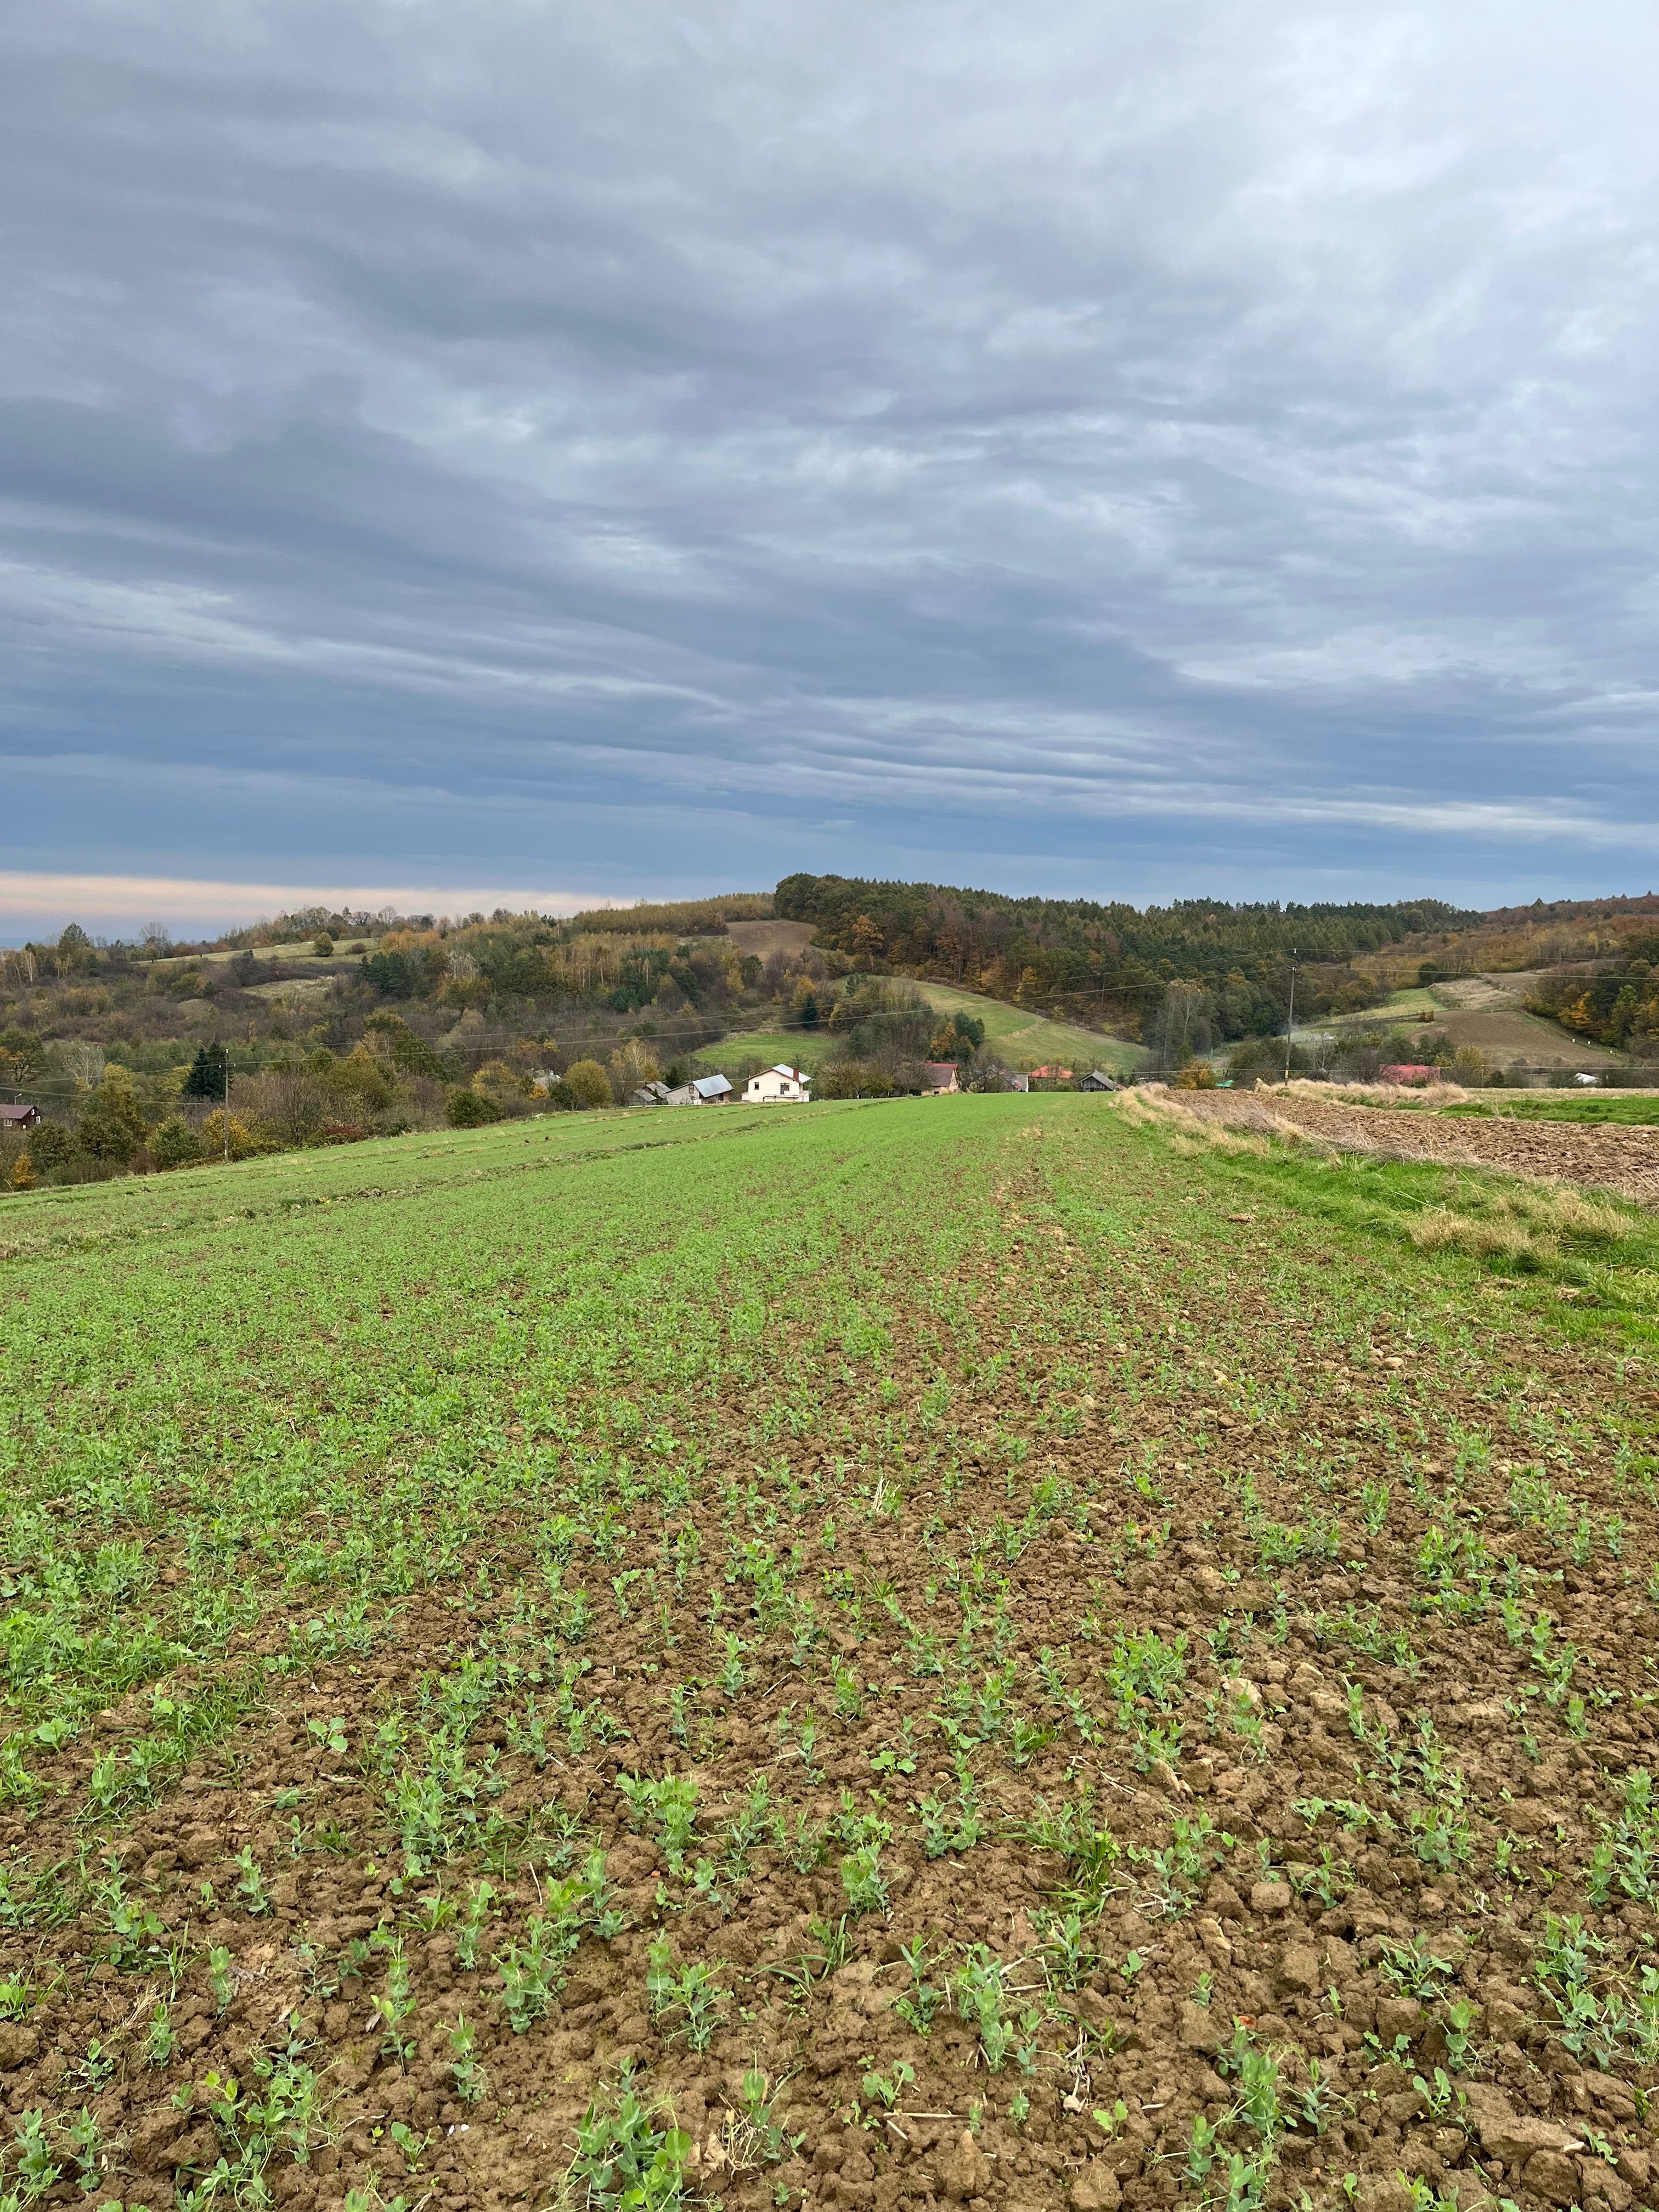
(1623, 1160)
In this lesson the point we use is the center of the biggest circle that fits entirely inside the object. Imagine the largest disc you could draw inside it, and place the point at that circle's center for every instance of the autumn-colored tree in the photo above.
(359, 1073)
(465, 984)
(503, 1085)
(1470, 1067)
(631, 1064)
(589, 1084)
(243, 1142)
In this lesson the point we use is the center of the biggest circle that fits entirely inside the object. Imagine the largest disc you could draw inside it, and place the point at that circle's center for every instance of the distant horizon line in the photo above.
(38, 904)
(124, 902)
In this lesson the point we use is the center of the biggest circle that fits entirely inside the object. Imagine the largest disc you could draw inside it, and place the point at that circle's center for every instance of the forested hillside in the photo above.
(1113, 961)
(329, 1027)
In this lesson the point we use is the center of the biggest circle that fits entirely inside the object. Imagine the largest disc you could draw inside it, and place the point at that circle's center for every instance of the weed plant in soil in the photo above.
(973, 1650)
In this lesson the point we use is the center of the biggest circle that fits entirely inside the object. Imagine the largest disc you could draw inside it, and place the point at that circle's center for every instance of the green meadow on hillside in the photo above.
(1028, 1040)
(1022, 1039)
(806, 1049)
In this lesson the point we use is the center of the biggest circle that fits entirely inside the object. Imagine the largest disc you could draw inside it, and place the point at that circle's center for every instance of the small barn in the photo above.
(702, 1090)
(650, 1094)
(1099, 1080)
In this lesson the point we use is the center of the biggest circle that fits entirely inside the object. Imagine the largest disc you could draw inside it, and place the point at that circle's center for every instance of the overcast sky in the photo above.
(567, 450)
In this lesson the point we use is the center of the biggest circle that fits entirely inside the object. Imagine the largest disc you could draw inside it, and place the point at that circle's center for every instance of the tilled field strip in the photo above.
(1621, 1159)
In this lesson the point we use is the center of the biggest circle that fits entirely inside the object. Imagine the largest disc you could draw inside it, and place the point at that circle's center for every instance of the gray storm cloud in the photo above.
(1139, 449)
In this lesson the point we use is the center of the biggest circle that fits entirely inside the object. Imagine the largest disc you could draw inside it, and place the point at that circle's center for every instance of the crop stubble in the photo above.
(361, 1537)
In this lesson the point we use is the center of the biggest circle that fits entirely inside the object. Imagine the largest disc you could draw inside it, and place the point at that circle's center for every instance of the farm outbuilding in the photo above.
(702, 1090)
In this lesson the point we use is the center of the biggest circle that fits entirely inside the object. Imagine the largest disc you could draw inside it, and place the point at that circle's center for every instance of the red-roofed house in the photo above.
(941, 1076)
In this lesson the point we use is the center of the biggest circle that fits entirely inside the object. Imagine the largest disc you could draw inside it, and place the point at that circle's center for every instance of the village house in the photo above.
(941, 1076)
(778, 1086)
(19, 1117)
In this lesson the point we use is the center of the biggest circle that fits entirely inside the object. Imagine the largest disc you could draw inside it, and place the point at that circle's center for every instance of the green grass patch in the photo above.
(1399, 1006)
(806, 1049)
(1630, 1110)
(1586, 1254)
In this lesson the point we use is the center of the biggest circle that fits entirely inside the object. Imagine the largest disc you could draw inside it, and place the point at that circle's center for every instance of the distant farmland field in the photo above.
(1524, 1038)
(762, 937)
(1485, 1013)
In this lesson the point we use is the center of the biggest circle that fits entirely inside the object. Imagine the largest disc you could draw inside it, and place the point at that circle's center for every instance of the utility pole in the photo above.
(1290, 1018)
(227, 1104)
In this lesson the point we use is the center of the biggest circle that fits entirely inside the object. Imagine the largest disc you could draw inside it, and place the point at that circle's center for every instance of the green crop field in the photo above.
(985, 1650)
